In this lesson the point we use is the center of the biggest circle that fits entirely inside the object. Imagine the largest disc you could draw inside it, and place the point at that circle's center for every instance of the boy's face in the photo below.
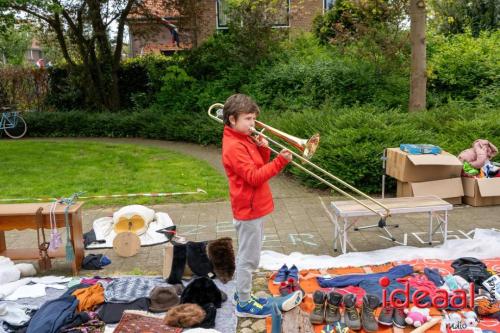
(244, 123)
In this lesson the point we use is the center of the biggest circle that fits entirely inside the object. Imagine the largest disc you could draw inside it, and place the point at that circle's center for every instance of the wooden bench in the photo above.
(347, 213)
(23, 216)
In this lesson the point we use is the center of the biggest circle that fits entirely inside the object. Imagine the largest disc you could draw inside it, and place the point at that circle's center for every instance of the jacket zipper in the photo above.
(251, 199)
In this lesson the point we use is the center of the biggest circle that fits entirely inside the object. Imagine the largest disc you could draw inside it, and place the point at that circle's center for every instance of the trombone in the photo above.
(308, 148)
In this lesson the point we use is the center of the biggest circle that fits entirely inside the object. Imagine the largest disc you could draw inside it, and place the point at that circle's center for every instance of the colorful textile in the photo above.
(89, 298)
(141, 322)
(128, 289)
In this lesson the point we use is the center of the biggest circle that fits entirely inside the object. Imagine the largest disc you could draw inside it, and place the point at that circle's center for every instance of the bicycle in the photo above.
(12, 123)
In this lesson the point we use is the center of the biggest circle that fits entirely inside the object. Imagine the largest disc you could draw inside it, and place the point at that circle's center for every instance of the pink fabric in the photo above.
(94, 280)
(481, 151)
(421, 282)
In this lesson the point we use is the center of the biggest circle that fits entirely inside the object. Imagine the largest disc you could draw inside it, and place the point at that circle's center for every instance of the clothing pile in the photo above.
(397, 295)
(89, 304)
(477, 160)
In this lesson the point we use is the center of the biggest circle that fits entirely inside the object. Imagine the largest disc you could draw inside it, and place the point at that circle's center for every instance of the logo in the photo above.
(421, 298)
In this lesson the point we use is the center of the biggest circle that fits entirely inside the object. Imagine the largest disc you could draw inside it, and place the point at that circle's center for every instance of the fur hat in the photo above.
(185, 315)
(163, 298)
(221, 254)
(202, 291)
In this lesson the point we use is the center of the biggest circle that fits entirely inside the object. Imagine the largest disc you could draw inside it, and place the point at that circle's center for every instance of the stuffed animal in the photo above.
(470, 319)
(481, 151)
(417, 316)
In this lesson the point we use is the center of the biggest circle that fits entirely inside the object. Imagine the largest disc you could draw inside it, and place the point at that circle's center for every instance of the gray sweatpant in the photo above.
(250, 234)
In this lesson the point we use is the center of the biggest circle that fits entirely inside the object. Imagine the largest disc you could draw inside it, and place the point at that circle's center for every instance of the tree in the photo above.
(85, 26)
(418, 80)
(14, 41)
(458, 16)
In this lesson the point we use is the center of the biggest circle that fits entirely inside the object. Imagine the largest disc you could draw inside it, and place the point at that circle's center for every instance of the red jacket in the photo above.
(248, 170)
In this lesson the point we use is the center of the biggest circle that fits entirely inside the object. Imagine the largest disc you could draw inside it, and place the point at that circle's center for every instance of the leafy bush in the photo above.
(308, 75)
(461, 66)
(353, 139)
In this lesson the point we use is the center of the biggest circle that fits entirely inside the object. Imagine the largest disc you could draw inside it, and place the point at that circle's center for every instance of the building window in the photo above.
(281, 19)
(221, 14)
(328, 4)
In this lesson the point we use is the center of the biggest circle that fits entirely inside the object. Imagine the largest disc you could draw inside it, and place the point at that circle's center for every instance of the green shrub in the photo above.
(308, 75)
(353, 139)
(461, 66)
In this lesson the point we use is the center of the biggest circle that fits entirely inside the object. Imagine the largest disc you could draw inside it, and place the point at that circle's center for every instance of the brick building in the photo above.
(148, 34)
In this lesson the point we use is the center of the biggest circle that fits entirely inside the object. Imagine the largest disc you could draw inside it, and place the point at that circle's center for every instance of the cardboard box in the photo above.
(450, 190)
(481, 191)
(421, 168)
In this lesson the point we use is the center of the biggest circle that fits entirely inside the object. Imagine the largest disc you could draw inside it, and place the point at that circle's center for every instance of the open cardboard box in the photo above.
(421, 168)
(481, 191)
(450, 190)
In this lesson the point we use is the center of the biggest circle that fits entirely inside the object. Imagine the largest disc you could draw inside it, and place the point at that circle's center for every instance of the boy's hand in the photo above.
(286, 154)
(261, 141)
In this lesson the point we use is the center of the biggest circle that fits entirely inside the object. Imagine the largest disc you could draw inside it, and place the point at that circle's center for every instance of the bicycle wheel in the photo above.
(15, 127)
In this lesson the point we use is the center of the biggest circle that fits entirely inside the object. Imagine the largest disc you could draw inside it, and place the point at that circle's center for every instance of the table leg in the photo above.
(344, 240)
(335, 233)
(77, 240)
(445, 226)
(3, 246)
(431, 217)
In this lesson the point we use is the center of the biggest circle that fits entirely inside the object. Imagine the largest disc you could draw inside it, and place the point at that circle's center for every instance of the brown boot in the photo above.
(370, 303)
(351, 315)
(317, 315)
(332, 313)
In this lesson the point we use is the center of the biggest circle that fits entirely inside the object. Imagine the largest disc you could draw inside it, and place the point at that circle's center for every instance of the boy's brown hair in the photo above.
(238, 104)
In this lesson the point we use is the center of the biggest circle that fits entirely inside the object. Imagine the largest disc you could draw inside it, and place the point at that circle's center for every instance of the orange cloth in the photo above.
(309, 284)
(89, 298)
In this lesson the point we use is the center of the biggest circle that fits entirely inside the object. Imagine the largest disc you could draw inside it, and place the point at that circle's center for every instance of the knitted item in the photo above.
(485, 307)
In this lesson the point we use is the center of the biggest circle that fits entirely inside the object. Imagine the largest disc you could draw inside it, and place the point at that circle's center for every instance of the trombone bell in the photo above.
(306, 146)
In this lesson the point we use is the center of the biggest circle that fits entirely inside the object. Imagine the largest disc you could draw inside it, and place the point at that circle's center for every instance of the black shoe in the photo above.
(398, 319)
(386, 316)
(332, 313)
(351, 316)
(370, 303)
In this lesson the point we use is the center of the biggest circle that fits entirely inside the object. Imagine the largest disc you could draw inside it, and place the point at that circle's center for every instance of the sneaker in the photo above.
(261, 300)
(253, 309)
(398, 319)
(370, 303)
(328, 329)
(385, 316)
(282, 275)
(293, 273)
(338, 327)
(285, 288)
(317, 315)
(351, 316)
(288, 302)
(294, 285)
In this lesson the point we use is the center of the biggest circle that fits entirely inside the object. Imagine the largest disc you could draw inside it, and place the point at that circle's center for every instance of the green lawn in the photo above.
(53, 169)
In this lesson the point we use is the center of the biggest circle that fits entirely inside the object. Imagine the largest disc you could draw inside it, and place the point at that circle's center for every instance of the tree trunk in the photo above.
(418, 79)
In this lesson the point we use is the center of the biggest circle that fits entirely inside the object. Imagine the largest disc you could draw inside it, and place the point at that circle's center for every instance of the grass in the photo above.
(33, 169)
